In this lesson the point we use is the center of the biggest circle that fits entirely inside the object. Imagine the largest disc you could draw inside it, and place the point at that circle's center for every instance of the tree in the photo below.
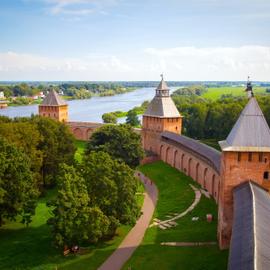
(111, 186)
(18, 189)
(57, 147)
(75, 221)
(132, 118)
(26, 137)
(109, 118)
(119, 141)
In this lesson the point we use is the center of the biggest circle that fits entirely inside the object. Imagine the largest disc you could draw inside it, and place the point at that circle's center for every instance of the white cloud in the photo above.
(219, 63)
(78, 7)
(179, 63)
(17, 66)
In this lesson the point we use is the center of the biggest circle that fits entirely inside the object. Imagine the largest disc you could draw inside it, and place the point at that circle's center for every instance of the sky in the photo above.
(99, 40)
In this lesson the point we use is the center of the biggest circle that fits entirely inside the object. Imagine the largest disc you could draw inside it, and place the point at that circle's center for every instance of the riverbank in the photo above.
(90, 110)
(25, 101)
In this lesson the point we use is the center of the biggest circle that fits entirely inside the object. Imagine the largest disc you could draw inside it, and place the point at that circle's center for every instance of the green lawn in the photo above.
(216, 92)
(31, 248)
(175, 195)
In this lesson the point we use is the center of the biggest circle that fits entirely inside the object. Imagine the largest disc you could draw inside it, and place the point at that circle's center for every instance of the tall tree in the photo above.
(132, 118)
(120, 141)
(75, 221)
(57, 147)
(18, 189)
(112, 186)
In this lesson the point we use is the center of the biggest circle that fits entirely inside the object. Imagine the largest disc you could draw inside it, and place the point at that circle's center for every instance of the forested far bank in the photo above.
(206, 119)
(24, 93)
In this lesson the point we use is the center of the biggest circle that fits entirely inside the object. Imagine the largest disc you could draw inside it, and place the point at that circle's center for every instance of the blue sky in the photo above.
(134, 40)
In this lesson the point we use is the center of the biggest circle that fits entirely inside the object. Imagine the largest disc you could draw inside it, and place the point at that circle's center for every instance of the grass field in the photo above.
(176, 195)
(23, 248)
(216, 92)
(81, 145)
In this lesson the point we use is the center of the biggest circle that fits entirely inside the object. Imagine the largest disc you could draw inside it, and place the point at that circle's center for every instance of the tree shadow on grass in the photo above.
(32, 248)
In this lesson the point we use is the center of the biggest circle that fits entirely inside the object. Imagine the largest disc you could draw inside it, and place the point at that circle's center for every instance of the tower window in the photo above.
(249, 156)
(266, 175)
(260, 157)
(238, 157)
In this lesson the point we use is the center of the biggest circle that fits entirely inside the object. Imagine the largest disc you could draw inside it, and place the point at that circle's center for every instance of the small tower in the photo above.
(54, 107)
(161, 115)
(245, 156)
(249, 89)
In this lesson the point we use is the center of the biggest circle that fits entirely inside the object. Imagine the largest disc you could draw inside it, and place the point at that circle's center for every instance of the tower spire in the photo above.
(162, 89)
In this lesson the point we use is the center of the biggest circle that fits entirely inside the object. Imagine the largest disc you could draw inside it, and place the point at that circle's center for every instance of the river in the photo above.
(91, 110)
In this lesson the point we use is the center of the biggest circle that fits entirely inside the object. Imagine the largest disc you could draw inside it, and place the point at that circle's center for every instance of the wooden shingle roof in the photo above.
(162, 105)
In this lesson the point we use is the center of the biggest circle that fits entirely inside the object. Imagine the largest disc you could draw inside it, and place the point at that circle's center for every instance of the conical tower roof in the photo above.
(162, 85)
(53, 99)
(162, 105)
(250, 133)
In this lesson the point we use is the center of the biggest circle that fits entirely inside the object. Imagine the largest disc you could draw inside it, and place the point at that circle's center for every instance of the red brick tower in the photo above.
(54, 107)
(245, 156)
(161, 115)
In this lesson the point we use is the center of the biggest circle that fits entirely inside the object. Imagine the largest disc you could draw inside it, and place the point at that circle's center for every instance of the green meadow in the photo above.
(214, 93)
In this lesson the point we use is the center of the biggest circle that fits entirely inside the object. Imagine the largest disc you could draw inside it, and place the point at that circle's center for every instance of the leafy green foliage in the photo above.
(197, 90)
(57, 147)
(112, 186)
(132, 118)
(120, 141)
(93, 200)
(109, 118)
(18, 189)
(74, 220)
(207, 119)
(46, 142)
(26, 137)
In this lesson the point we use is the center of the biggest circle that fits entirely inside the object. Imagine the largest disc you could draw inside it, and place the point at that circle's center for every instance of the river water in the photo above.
(92, 109)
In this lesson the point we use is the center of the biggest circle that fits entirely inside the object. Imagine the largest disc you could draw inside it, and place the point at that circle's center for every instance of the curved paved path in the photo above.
(190, 208)
(135, 236)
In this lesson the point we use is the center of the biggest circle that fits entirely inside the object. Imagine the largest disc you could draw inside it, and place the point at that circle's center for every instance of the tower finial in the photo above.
(161, 75)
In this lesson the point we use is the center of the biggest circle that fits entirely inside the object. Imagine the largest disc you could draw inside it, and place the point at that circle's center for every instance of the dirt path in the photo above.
(120, 256)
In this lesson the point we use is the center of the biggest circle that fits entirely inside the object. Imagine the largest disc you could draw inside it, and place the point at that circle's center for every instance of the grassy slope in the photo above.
(175, 194)
(31, 248)
(216, 92)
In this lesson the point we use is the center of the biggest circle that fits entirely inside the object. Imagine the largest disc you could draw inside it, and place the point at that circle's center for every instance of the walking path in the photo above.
(135, 236)
(165, 224)
(188, 244)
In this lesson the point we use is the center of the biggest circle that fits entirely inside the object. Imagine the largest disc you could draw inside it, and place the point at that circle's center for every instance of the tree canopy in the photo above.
(93, 199)
(119, 141)
(109, 118)
(18, 188)
(132, 118)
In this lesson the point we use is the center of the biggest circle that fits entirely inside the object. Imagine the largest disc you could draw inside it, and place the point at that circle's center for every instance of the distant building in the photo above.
(2, 95)
(54, 107)
(3, 104)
